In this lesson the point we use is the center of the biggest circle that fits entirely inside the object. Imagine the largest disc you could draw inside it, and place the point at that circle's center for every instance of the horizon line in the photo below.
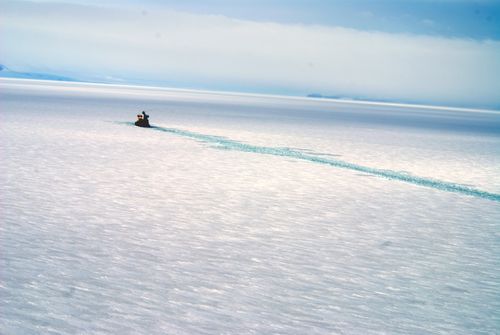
(347, 100)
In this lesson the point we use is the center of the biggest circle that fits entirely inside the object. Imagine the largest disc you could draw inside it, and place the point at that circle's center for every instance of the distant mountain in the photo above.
(318, 95)
(5, 72)
(354, 98)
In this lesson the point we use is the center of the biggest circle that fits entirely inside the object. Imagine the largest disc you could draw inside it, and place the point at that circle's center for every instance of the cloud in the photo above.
(215, 51)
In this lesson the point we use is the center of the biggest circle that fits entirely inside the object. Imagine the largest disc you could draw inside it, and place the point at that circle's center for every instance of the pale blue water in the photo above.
(317, 217)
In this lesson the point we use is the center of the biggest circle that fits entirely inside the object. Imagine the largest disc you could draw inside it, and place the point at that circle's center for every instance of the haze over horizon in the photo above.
(432, 52)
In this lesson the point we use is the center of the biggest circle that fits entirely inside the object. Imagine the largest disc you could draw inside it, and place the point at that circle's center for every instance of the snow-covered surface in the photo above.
(108, 228)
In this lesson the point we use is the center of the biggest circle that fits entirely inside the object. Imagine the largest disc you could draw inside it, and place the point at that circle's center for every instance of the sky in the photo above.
(444, 52)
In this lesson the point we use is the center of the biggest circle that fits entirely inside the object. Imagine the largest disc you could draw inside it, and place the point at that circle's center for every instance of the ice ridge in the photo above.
(228, 144)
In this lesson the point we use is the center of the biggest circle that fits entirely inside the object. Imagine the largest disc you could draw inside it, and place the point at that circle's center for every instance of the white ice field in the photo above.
(244, 214)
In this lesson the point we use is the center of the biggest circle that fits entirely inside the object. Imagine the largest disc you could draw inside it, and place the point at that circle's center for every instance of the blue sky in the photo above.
(452, 18)
(442, 52)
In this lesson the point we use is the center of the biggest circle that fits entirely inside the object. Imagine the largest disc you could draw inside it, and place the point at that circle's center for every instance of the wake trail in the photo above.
(228, 144)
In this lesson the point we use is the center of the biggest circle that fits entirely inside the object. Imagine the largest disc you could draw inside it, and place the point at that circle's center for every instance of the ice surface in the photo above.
(108, 228)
